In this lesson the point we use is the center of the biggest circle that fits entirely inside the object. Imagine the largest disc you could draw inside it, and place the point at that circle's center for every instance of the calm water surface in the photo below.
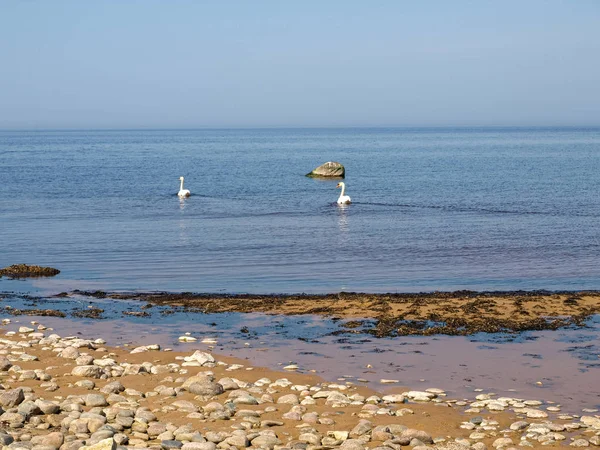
(434, 209)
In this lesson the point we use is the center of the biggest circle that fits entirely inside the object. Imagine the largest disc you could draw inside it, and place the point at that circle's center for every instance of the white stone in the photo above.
(200, 357)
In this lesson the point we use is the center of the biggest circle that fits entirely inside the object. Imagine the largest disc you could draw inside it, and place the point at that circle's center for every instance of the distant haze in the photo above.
(138, 64)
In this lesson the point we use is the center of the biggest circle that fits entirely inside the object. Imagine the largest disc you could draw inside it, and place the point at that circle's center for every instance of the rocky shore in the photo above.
(71, 392)
(458, 313)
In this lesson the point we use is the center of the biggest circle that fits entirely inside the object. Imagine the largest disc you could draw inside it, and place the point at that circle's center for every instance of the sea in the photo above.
(433, 209)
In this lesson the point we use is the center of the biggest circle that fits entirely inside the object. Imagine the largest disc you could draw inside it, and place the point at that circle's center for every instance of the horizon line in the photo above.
(292, 127)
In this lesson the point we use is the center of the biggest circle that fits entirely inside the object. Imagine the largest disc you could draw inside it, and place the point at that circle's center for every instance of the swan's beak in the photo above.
(338, 185)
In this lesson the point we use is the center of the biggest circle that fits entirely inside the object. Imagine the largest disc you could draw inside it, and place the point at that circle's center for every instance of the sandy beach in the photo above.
(70, 392)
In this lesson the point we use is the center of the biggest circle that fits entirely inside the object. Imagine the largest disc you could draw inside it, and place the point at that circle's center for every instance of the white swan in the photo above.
(183, 192)
(344, 199)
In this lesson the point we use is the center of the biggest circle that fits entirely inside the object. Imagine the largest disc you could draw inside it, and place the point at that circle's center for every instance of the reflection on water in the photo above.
(343, 222)
(181, 203)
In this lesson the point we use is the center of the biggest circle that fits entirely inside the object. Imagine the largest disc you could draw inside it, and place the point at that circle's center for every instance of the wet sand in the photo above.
(451, 313)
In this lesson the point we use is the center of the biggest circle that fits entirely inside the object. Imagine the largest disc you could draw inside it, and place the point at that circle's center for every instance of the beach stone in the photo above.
(339, 435)
(311, 417)
(27, 375)
(417, 434)
(237, 439)
(352, 444)
(125, 422)
(394, 398)
(170, 444)
(86, 384)
(28, 409)
(536, 414)
(14, 419)
(289, 399)
(420, 396)
(270, 423)
(199, 357)
(104, 362)
(94, 400)
(496, 406)
(330, 169)
(520, 425)
(404, 412)
(84, 360)
(381, 433)
(5, 364)
(502, 442)
(228, 384)
(310, 438)
(146, 348)
(134, 369)
(87, 371)
(396, 428)
(106, 444)
(245, 399)
(263, 441)
(215, 436)
(199, 446)
(206, 388)
(53, 440)
(6, 439)
(540, 428)
(156, 428)
(579, 443)
(595, 440)
(321, 394)
(590, 421)
(12, 398)
(201, 377)
(477, 436)
(101, 434)
(337, 399)
(70, 352)
(363, 427)
(112, 388)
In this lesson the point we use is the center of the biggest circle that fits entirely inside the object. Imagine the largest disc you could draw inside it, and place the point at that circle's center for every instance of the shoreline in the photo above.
(459, 313)
(251, 403)
(560, 365)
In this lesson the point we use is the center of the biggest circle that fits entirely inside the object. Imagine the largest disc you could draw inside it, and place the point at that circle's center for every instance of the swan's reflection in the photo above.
(182, 224)
(181, 204)
(343, 224)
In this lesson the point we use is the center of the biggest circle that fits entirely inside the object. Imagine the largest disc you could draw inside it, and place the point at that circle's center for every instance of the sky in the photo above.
(195, 64)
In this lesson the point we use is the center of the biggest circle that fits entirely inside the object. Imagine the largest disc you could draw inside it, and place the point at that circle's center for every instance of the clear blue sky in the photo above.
(105, 64)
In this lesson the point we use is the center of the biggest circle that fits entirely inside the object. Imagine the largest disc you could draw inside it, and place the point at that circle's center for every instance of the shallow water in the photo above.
(560, 366)
(434, 209)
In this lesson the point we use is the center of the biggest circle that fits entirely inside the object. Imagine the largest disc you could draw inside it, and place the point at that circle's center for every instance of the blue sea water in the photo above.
(433, 209)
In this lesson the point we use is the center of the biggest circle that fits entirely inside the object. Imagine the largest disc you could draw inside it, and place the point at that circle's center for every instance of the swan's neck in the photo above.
(343, 190)
(181, 186)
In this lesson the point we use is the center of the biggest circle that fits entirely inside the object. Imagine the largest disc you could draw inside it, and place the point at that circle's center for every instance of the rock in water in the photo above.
(25, 271)
(330, 169)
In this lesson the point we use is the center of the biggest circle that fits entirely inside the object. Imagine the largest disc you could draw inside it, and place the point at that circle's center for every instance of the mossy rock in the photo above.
(26, 271)
(330, 169)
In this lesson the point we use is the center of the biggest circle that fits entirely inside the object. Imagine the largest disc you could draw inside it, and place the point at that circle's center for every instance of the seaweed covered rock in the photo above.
(24, 271)
(330, 169)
